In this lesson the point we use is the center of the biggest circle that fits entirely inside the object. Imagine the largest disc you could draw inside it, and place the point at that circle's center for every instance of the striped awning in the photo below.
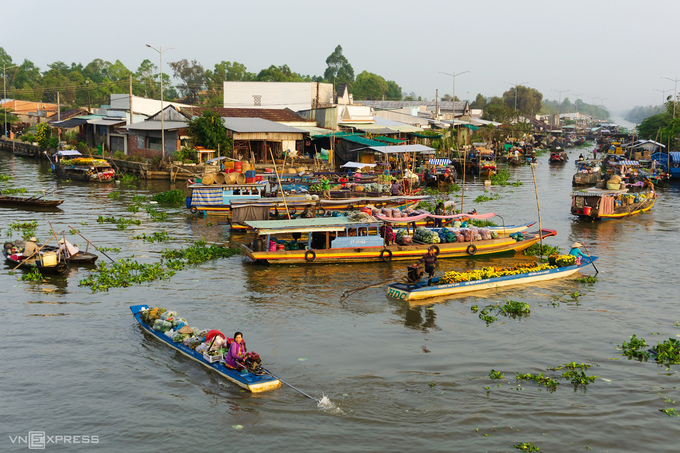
(630, 163)
(675, 156)
(440, 161)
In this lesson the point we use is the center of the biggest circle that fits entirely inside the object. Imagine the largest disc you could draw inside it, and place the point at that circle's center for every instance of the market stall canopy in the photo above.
(403, 149)
(356, 165)
(67, 152)
(440, 161)
(318, 224)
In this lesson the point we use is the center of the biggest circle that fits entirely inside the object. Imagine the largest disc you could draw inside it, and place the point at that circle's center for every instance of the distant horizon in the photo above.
(616, 54)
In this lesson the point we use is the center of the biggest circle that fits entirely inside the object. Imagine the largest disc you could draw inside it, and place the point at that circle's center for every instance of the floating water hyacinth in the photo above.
(237, 426)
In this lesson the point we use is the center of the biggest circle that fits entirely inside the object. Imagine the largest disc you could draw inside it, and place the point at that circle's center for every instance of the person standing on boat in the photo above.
(577, 253)
(31, 249)
(430, 260)
(438, 211)
(395, 188)
(326, 187)
(237, 352)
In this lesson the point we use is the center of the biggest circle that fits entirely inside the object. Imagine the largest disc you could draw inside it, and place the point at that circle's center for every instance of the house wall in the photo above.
(277, 95)
(147, 143)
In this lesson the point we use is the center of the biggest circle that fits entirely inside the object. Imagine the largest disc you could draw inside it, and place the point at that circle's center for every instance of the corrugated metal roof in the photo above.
(361, 140)
(403, 149)
(388, 139)
(276, 115)
(67, 124)
(246, 125)
(304, 225)
(106, 121)
(156, 125)
(314, 131)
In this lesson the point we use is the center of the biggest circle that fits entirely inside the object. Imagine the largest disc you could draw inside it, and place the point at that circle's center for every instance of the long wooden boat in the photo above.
(597, 204)
(85, 169)
(47, 262)
(77, 259)
(420, 290)
(255, 383)
(341, 240)
(33, 202)
(558, 157)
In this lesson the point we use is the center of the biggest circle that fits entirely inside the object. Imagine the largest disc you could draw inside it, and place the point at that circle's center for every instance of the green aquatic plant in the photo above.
(121, 223)
(156, 215)
(33, 276)
(589, 279)
(199, 253)
(576, 373)
(667, 352)
(13, 191)
(114, 195)
(511, 308)
(636, 348)
(172, 197)
(138, 199)
(535, 250)
(524, 446)
(671, 412)
(5, 178)
(132, 208)
(128, 179)
(27, 229)
(161, 236)
(109, 249)
(549, 383)
(482, 198)
(500, 178)
(493, 374)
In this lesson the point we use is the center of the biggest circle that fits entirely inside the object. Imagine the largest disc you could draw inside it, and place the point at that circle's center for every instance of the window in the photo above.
(154, 143)
(257, 100)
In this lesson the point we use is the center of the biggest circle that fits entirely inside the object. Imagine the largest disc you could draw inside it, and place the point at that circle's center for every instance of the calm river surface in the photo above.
(401, 377)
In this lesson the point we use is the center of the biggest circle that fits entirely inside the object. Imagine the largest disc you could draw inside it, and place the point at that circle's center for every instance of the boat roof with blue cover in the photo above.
(318, 224)
(595, 192)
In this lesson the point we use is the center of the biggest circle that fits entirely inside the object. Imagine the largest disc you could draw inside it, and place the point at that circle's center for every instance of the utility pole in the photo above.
(675, 95)
(58, 108)
(559, 104)
(160, 53)
(130, 99)
(663, 95)
(87, 82)
(4, 96)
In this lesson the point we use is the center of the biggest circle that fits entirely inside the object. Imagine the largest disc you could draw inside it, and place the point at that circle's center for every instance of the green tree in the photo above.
(338, 68)
(193, 76)
(393, 91)
(497, 110)
(208, 131)
(651, 128)
(280, 74)
(479, 102)
(529, 100)
(369, 86)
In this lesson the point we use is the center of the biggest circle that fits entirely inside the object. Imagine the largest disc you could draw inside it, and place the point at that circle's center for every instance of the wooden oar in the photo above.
(35, 197)
(591, 260)
(88, 241)
(349, 292)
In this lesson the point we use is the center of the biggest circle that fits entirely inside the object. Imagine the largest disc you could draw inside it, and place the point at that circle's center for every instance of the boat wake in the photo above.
(327, 405)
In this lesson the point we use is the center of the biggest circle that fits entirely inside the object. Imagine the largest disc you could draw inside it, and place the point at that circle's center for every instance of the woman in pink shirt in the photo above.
(236, 353)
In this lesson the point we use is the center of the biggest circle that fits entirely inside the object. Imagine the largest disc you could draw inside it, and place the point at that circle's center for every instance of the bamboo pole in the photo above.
(59, 253)
(88, 241)
(278, 178)
(538, 205)
(462, 196)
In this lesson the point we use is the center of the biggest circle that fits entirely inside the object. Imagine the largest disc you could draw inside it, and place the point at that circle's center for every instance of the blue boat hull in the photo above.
(420, 290)
(249, 381)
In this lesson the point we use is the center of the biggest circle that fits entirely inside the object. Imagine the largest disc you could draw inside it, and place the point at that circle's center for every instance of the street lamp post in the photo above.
(516, 84)
(160, 53)
(675, 95)
(4, 95)
(576, 95)
(453, 95)
(663, 95)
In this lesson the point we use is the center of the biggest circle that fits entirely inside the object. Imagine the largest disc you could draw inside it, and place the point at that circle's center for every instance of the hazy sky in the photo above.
(617, 50)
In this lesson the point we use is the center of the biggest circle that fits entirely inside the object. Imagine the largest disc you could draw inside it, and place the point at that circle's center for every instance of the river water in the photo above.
(400, 377)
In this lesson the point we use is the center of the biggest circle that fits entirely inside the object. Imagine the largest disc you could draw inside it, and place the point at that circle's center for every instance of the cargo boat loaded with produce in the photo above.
(343, 240)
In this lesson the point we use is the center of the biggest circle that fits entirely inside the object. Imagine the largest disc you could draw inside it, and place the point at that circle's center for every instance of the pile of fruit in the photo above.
(426, 236)
(492, 272)
(85, 161)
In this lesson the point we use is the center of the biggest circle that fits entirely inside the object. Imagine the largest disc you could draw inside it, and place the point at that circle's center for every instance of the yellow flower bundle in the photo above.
(492, 272)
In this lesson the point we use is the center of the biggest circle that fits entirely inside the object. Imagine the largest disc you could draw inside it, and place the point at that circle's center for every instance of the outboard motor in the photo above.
(415, 273)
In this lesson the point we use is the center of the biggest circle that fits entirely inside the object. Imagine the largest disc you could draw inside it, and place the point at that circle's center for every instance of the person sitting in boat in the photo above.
(31, 249)
(67, 248)
(395, 188)
(308, 212)
(577, 253)
(430, 260)
(237, 352)
(580, 156)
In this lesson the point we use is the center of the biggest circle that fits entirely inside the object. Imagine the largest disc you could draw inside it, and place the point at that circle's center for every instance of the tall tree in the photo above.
(208, 131)
(280, 74)
(193, 76)
(479, 102)
(339, 70)
(371, 86)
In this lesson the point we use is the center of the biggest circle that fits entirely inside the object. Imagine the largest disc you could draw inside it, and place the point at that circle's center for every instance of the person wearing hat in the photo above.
(31, 249)
(67, 248)
(577, 253)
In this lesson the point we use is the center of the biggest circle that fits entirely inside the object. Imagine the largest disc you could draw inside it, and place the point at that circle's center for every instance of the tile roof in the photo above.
(276, 115)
